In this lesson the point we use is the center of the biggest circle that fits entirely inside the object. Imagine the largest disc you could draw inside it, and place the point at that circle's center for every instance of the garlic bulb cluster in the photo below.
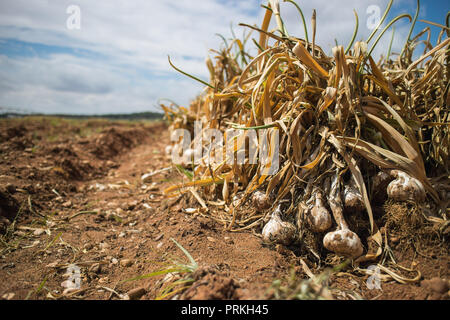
(277, 231)
(405, 188)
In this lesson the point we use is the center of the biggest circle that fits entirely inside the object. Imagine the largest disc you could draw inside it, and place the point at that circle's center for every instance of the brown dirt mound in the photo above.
(16, 131)
(114, 141)
(211, 284)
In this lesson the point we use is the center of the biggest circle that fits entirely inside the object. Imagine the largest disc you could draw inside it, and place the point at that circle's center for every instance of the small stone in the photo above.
(103, 245)
(136, 294)
(122, 234)
(38, 232)
(8, 296)
(110, 216)
(110, 163)
(51, 224)
(132, 205)
(114, 261)
(103, 280)
(159, 246)
(53, 264)
(111, 205)
(67, 204)
(211, 239)
(228, 240)
(126, 263)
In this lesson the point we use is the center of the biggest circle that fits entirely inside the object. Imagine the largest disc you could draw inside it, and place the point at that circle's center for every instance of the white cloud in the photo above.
(131, 41)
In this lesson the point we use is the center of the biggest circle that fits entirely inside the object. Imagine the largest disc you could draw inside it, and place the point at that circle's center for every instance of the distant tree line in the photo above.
(125, 116)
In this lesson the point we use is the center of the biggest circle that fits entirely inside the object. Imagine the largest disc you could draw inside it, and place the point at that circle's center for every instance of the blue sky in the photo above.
(117, 61)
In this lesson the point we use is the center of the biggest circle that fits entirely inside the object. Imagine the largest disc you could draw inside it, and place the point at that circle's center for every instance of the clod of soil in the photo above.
(210, 284)
(8, 205)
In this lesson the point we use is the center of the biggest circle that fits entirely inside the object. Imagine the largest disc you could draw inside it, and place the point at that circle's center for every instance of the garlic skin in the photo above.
(343, 242)
(319, 219)
(353, 200)
(261, 201)
(405, 188)
(188, 157)
(277, 231)
(236, 200)
(168, 150)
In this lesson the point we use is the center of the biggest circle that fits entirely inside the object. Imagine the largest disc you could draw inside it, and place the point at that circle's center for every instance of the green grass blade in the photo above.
(354, 33)
(390, 44)
(257, 45)
(388, 8)
(405, 15)
(223, 39)
(152, 274)
(186, 253)
(186, 172)
(303, 18)
(190, 76)
(408, 40)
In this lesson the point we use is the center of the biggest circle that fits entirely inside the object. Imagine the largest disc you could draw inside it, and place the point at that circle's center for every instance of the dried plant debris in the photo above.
(348, 133)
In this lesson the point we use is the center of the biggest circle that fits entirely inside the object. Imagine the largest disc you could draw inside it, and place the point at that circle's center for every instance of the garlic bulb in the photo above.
(319, 218)
(278, 231)
(343, 242)
(405, 188)
(188, 156)
(261, 201)
(353, 200)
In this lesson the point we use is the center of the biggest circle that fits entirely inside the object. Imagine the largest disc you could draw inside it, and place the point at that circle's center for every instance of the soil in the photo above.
(71, 193)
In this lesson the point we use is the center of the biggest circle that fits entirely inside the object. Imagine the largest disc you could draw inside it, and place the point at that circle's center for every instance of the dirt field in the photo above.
(71, 193)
